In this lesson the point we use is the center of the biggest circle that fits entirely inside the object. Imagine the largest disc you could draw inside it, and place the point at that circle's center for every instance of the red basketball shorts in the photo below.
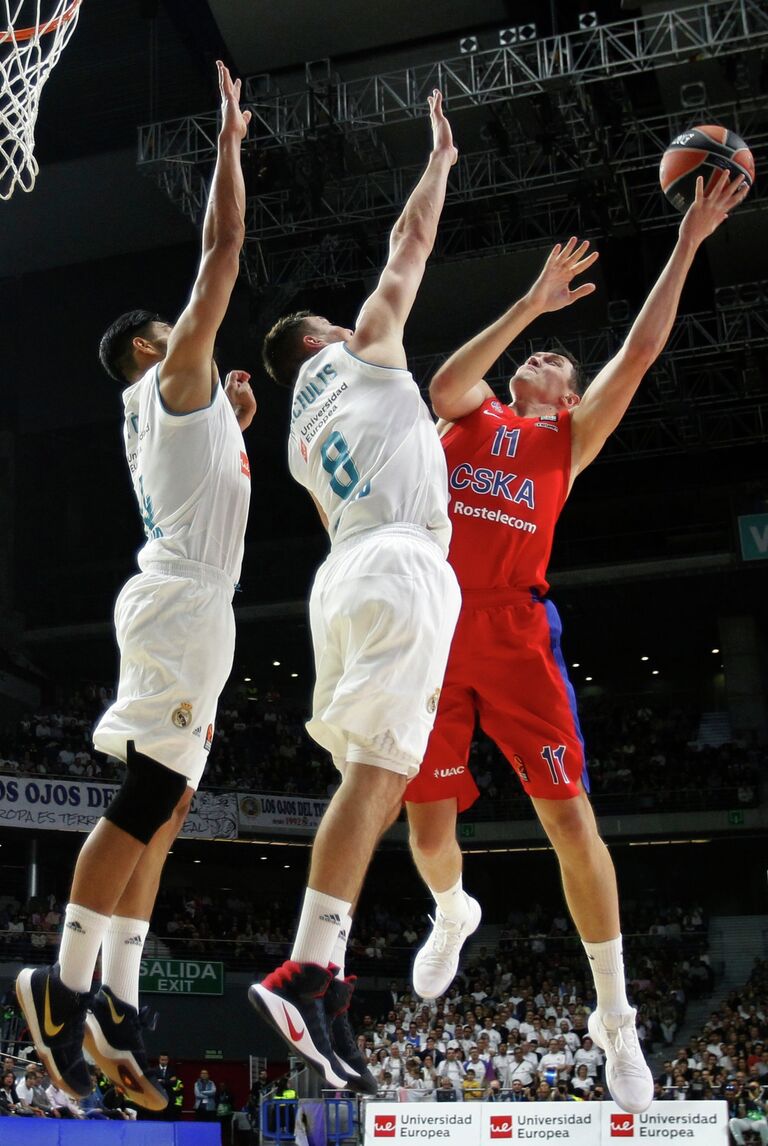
(506, 670)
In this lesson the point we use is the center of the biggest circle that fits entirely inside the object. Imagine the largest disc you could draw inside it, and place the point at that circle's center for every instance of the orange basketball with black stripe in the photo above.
(703, 151)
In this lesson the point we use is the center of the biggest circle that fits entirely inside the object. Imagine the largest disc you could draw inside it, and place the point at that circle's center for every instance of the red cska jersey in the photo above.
(508, 480)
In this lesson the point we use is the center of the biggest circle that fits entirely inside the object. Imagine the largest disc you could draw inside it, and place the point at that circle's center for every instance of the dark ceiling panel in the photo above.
(265, 37)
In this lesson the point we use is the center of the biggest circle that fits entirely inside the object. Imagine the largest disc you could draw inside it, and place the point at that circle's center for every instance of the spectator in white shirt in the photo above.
(520, 1069)
(590, 1056)
(66, 1106)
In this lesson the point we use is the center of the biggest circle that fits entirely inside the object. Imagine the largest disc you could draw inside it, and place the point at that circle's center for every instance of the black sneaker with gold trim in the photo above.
(56, 1019)
(113, 1038)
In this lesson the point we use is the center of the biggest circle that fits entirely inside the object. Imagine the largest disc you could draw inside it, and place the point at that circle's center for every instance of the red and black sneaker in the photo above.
(291, 1001)
(336, 1000)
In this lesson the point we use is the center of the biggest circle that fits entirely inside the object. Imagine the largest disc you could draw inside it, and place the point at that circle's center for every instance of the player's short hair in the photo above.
(282, 351)
(115, 348)
(578, 381)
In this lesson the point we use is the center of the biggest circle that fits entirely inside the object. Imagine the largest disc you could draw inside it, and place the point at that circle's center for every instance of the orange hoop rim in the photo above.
(23, 34)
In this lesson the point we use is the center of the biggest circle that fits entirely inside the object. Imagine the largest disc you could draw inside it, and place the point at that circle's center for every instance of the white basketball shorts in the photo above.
(176, 634)
(383, 608)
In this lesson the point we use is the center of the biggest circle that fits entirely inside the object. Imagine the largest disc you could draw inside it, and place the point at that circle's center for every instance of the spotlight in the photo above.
(318, 72)
(468, 44)
(643, 658)
(655, 672)
(576, 664)
(693, 95)
(526, 32)
(276, 664)
(587, 678)
(715, 650)
(507, 36)
(294, 674)
(588, 21)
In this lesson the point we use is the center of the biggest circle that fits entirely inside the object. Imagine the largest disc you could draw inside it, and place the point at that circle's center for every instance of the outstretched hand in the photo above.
(710, 207)
(232, 118)
(442, 136)
(551, 291)
(241, 398)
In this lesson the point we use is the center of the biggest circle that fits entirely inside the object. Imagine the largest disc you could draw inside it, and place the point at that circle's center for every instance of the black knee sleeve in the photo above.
(147, 797)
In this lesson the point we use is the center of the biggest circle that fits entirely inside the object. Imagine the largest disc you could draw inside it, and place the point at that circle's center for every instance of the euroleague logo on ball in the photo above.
(501, 1126)
(622, 1126)
(384, 1125)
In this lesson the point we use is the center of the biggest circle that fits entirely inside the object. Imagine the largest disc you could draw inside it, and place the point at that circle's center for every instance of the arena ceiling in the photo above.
(96, 233)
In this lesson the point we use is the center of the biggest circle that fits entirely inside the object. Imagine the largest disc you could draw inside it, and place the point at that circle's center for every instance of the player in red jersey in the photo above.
(510, 471)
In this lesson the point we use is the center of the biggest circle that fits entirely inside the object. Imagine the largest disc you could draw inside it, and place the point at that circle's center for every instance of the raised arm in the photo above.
(458, 388)
(187, 373)
(378, 333)
(608, 396)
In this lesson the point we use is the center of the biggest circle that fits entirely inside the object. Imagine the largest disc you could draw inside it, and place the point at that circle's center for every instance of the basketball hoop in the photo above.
(28, 55)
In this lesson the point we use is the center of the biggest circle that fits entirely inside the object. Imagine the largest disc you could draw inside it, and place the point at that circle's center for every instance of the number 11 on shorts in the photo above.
(555, 759)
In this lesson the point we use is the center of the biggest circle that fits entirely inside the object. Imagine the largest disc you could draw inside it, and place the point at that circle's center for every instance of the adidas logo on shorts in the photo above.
(134, 941)
(332, 917)
(73, 925)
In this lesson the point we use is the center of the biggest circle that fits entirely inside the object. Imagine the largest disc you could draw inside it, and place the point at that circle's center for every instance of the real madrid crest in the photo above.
(182, 716)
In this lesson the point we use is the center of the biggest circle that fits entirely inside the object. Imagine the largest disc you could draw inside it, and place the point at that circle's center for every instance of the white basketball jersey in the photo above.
(191, 478)
(363, 443)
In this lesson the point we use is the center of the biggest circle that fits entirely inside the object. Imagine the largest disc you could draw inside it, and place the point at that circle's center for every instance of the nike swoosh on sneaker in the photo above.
(295, 1035)
(116, 1016)
(51, 1029)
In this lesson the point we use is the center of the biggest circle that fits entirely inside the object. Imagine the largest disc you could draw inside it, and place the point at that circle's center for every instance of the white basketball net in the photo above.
(34, 37)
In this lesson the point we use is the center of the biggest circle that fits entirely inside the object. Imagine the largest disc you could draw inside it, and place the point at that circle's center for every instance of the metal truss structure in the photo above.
(618, 208)
(588, 168)
(716, 28)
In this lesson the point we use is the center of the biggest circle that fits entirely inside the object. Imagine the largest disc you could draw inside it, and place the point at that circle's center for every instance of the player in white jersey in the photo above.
(175, 631)
(382, 610)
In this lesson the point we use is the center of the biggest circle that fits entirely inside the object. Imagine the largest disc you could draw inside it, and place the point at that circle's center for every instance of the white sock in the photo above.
(340, 946)
(121, 957)
(607, 963)
(453, 902)
(321, 919)
(81, 939)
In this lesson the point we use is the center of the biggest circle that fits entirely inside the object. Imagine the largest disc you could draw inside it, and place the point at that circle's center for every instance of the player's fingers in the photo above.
(699, 193)
(568, 248)
(581, 291)
(585, 263)
(246, 117)
(579, 251)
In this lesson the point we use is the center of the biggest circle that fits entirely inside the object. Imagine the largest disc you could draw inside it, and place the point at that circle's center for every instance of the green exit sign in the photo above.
(466, 831)
(753, 535)
(736, 817)
(181, 977)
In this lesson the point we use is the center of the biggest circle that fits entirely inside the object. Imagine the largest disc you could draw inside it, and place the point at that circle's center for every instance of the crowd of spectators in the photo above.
(27, 1092)
(514, 1024)
(261, 745)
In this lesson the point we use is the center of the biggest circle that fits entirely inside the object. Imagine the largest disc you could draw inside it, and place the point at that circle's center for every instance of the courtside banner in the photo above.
(76, 805)
(457, 1123)
(702, 1123)
(284, 815)
(576, 1123)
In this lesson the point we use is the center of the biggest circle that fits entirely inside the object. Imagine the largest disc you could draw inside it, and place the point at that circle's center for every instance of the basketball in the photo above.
(702, 151)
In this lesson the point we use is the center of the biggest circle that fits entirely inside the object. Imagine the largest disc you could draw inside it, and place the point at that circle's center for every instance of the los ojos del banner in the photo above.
(288, 815)
(76, 805)
(577, 1123)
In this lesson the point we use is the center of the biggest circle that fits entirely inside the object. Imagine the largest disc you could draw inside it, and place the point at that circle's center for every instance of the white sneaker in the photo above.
(626, 1072)
(437, 962)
